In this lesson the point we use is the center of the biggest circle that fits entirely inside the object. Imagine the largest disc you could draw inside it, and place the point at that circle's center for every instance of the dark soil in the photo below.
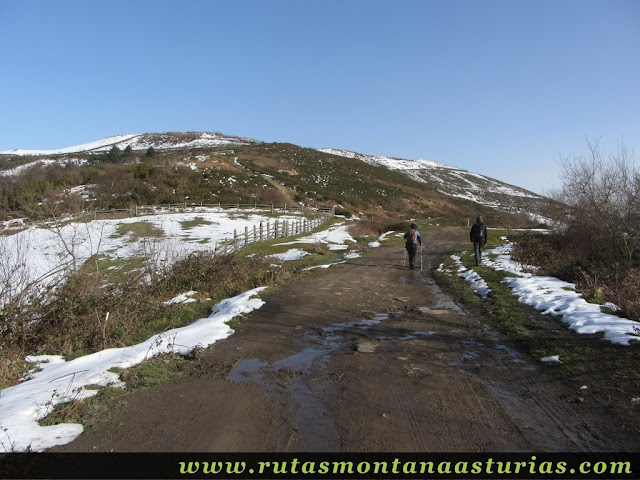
(364, 356)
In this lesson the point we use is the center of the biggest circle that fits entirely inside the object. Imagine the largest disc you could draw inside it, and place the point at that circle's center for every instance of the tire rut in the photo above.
(364, 356)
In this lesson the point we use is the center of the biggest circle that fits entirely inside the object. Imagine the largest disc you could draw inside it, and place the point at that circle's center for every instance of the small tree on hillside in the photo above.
(151, 152)
(114, 155)
(128, 154)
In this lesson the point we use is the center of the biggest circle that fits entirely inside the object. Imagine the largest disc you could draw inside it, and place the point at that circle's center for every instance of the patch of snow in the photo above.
(478, 285)
(55, 381)
(553, 296)
(552, 359)
(291, 254)
(182, 298)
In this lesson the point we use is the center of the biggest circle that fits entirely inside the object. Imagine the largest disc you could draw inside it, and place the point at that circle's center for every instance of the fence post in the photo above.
(260, 231)
(246, 236)
(255, 237)
(235, 240)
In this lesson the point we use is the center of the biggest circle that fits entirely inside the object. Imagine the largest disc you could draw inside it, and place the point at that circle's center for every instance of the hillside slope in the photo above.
(456, 182)
(119, 172)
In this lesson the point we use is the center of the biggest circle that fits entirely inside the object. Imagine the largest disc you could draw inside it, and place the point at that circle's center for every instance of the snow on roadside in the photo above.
(335, 237)
(555, 297)
(183, 298)
(478, 285)
(54, 381)
(381, 238)
(551, 296)
(289, 255)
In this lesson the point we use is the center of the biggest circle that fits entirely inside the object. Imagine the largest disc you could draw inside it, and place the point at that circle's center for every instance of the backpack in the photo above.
(412, 238)
(478, 235)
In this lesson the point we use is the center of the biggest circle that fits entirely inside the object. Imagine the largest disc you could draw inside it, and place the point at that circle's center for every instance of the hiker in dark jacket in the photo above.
(478, 236)
(412, 239)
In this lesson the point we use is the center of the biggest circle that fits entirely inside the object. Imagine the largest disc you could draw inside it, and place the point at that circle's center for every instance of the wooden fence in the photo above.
(138, 211)
(270, 230)
(310, 219)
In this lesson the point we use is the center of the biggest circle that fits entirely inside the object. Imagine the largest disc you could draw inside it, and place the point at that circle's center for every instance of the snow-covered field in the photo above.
(551, 296)
(44, 255)
(54, 381)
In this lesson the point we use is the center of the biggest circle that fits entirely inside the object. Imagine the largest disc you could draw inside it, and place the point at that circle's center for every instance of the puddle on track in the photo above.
(315, 426)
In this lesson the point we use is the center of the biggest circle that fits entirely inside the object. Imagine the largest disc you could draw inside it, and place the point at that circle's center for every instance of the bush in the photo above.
(599, 205)
(624, 292)
(342, 212)
(596, 239)
(86, 316)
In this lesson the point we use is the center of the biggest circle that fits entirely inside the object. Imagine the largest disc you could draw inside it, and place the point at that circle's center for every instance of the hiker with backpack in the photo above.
(412, 239)
(478, 236)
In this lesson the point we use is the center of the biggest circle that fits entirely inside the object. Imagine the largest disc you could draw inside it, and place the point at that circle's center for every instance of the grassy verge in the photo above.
(110, 304)
(232, 274)
(610, 371)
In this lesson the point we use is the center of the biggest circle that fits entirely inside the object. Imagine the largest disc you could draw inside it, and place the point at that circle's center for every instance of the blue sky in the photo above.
(501, 88)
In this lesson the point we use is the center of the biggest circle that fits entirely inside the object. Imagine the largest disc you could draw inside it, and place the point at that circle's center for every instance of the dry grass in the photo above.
(86, 316)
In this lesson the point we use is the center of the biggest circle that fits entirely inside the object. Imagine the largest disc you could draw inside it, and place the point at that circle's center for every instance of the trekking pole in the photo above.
(420, 257)
(404, 261)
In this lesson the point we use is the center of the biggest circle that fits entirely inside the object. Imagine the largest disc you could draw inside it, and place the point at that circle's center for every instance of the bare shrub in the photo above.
(317, 248)
(624, 292)
(600, 199)
(596, 243)
(372, 227)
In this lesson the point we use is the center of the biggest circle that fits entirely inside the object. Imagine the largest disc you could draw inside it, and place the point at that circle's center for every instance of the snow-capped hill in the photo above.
(98, 145)
(206, 152)
(392, 163)
(161, 141)
(453, 182)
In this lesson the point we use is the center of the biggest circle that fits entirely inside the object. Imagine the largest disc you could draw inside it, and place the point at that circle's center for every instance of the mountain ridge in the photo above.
(303, 174)
(141, 142)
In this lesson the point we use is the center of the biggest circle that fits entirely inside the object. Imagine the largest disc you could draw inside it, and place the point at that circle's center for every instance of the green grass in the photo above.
(115, 270)
(610, 371)
(156, 371)
(188, 224)
(138, 230)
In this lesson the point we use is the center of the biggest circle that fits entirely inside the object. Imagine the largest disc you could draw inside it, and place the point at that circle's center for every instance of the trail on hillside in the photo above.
(364, 356)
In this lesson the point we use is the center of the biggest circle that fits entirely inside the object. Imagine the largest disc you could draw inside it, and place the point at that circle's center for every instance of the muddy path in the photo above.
(364, 356)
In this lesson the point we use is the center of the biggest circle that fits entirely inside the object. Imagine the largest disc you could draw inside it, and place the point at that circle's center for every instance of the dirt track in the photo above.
(365, 356)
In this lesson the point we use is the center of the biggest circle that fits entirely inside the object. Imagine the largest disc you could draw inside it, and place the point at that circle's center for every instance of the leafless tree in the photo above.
(601, 198)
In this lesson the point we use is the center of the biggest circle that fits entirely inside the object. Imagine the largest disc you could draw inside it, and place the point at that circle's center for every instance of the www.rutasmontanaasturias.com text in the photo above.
(400, 467)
